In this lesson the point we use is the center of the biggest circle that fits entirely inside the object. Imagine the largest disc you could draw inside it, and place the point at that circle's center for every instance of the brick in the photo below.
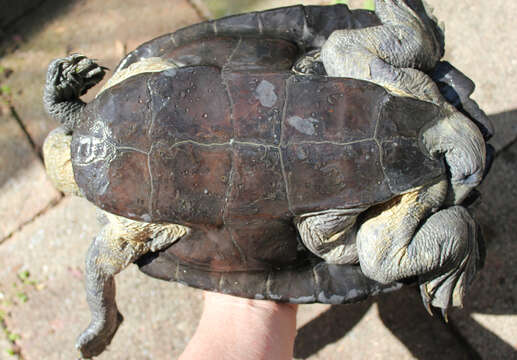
(24, 189)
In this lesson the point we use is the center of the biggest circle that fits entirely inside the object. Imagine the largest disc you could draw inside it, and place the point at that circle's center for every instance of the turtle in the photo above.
(302, 154)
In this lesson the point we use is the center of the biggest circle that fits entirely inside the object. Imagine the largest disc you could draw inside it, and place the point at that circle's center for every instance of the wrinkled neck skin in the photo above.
(67, 112)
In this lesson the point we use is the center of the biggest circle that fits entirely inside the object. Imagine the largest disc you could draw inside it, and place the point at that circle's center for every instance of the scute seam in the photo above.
(225, 66)
(380, 108)
(151, 182)
(287, 83)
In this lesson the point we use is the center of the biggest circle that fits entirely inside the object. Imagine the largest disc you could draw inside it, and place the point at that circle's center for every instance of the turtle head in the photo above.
(67, 80)
(58, 162)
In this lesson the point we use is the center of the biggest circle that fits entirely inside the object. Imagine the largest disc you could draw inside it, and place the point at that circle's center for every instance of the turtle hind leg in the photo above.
(408, 238)
(102, 264)
(458, 230)
(389, 54)
(330, 234)
(121, 242)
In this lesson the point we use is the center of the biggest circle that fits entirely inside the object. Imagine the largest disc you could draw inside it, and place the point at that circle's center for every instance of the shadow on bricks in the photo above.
(11, 34)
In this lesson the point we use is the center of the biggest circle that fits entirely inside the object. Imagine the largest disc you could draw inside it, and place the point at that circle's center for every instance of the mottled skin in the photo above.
(418, 228)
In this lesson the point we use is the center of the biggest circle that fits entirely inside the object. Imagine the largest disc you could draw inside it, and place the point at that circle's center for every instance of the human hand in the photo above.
(236, 328)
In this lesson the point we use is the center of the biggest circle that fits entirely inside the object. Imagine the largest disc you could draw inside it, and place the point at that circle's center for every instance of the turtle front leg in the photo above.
(120, 243)
(67, 79)
(401, 240)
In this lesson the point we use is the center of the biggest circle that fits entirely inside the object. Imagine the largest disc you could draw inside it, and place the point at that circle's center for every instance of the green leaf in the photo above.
(11, 352)
(13, 337)
(24, 275)
(341, 2)
(23, 297)
(5, 89)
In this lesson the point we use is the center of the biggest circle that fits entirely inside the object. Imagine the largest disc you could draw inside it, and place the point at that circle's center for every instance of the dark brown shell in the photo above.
(196, 146)
(234, 145)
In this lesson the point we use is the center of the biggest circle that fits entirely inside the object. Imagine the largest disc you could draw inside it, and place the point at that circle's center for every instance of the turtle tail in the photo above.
(67, 79)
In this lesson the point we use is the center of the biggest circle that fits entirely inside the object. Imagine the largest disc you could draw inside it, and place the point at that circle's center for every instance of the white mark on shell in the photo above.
(92, 149)
(305, 126)
(146, 217)
(265, 93)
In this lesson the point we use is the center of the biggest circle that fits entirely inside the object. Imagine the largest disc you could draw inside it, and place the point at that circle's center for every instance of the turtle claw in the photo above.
(72, 76)
(94, 340)
(444, 315)
(446, 290)
(426, 299)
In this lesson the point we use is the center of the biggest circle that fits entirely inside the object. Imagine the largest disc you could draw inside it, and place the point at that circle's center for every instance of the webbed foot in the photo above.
(94, 340)
(449, 288)
(402, 241)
